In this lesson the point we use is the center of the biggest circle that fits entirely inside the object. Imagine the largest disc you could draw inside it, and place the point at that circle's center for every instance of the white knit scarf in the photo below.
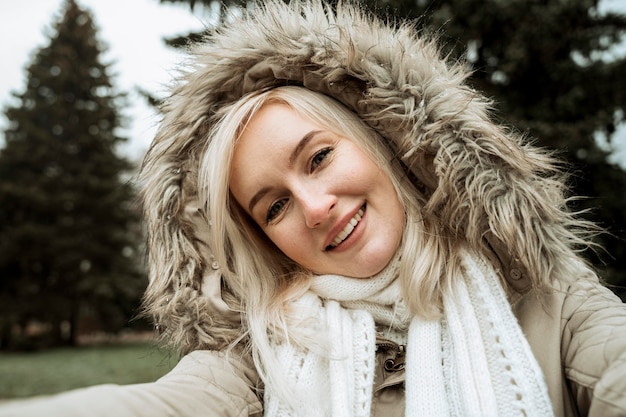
(474, 362)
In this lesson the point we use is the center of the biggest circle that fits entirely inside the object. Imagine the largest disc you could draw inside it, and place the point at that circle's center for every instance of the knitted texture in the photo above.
(474, 362)
(380, 295)
(336, 384)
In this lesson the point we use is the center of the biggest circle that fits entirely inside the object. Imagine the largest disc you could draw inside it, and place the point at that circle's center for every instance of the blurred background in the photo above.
(78, 87)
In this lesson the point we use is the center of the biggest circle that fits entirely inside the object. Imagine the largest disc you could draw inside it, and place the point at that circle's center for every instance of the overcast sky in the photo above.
(133, 31)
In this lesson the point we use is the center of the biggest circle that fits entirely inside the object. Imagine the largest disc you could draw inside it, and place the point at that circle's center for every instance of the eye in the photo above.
(319, 157)
(274, 210)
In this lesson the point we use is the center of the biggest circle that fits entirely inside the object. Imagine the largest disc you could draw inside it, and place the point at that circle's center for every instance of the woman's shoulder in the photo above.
(577, 331)
(220, 365)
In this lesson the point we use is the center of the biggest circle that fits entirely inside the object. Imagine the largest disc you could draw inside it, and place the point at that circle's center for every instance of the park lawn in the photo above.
(56, 370)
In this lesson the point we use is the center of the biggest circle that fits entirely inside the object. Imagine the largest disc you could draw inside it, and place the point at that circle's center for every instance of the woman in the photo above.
(312, 178)
(336, 227)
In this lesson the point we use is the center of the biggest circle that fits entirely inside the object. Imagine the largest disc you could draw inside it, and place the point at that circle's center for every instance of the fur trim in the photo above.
(481, 180)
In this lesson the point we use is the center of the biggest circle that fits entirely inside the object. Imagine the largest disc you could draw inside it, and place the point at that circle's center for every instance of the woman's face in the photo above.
(317, 195)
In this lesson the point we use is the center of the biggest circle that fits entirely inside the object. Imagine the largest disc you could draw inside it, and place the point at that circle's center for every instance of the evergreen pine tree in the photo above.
(68, 228)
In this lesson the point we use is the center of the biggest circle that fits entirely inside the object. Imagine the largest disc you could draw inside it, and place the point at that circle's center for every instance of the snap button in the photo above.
(516, 274)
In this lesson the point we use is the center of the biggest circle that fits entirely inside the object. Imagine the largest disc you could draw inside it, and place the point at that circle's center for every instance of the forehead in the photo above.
(273, 119)
(273, 130)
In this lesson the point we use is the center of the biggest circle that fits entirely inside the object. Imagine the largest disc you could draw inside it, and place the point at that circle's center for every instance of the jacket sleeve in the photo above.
(204, 383)
(594, 349)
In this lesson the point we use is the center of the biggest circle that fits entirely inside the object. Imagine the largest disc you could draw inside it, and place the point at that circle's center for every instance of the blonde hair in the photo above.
(264, 278)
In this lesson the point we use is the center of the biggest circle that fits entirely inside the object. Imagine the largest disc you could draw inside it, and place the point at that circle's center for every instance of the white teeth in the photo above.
(348, 229)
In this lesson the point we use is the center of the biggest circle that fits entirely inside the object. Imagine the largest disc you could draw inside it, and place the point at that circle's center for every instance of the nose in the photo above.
(316, 206)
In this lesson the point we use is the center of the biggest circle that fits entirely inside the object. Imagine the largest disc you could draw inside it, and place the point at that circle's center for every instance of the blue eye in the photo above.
(319, 157)
(274, 210)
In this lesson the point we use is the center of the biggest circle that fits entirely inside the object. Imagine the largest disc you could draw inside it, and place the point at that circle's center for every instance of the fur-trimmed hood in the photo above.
(482, 183)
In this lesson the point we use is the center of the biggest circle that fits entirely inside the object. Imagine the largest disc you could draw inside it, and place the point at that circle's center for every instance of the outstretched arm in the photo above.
(204, 383)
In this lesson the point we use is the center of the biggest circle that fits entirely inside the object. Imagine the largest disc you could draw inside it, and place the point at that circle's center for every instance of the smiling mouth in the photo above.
(347, 230)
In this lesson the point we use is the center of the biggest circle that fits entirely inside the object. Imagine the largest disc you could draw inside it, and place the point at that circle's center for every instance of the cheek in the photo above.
(365, 171)
(289, 240)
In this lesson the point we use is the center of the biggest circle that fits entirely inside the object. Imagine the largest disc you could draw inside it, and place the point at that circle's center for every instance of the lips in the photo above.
(347, 230)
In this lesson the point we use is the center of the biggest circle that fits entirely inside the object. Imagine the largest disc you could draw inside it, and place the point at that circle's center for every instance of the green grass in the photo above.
(49, 372)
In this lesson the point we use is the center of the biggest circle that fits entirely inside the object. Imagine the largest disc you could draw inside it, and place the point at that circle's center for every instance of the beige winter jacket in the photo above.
(577, 333)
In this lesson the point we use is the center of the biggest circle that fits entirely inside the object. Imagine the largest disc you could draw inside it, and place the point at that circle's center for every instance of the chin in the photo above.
(376, 259)
(372, 265)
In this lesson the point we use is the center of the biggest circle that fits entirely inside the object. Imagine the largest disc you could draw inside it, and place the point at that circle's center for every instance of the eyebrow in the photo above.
(292, 158)
(257, 197)
(301, 145)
